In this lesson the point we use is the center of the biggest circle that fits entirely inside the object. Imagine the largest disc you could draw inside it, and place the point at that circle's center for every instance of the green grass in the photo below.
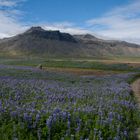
(90, 65)
(65, 63)
(134, 78)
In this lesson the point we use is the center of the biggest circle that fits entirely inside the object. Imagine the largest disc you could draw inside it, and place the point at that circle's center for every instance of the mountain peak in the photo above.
(34, 29)
(88, 36)
(39, 32)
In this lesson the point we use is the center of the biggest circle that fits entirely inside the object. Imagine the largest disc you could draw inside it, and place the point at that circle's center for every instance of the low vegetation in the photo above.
(37, 104)
(66, 63)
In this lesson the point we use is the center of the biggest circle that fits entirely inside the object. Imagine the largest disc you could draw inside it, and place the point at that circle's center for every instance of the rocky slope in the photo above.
(39, 42)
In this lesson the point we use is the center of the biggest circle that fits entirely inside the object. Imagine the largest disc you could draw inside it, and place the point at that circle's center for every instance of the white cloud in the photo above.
(67, 27)
(127, 10)
(9, 24)
(8, 3)
(121, 23)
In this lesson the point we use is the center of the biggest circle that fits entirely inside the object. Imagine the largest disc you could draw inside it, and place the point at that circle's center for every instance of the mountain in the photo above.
(39, 42)
(38, 32)
(100, 47)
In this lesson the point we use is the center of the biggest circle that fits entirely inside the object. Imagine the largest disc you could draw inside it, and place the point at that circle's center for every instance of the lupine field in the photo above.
(41, 105)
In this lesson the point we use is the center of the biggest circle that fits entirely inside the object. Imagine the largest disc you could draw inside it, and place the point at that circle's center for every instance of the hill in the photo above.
(39, 42)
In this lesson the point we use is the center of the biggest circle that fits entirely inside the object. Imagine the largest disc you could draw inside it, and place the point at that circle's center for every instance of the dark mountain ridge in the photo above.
(52, 35)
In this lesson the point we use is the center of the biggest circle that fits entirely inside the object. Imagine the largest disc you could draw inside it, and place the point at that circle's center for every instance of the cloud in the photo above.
(67, 27)
(121, 23)
(9, 26)
(9, 15)
(127, 10)
(8, 3)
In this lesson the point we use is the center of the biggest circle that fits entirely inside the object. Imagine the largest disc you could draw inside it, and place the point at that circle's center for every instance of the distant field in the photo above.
(88, 65)
(80, 71)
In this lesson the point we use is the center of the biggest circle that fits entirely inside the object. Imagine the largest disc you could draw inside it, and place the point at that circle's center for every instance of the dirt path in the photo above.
(136, 90)
(80, 71)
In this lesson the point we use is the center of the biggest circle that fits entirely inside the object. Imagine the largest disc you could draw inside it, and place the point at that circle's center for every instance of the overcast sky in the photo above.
(110, 19)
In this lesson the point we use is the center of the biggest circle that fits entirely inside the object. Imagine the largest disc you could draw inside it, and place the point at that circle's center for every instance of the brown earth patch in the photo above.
(79, 71)
(136, 90)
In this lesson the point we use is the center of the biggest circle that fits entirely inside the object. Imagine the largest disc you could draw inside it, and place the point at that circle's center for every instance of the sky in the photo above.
(108, 19)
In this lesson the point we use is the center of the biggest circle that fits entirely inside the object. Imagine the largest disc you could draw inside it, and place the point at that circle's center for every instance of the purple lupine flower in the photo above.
(27, 117)
(37, 117)
(117, 138)
(125, 133)
(13, 114)
(49, 122)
